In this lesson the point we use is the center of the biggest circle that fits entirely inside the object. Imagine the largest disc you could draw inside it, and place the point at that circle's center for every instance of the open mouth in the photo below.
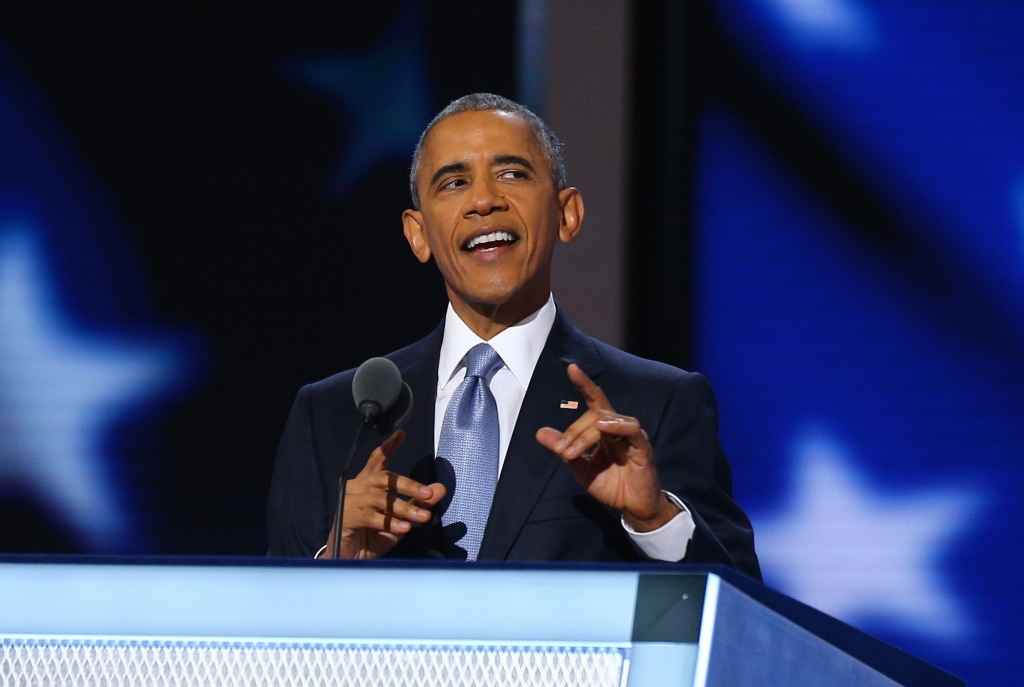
(490, 241)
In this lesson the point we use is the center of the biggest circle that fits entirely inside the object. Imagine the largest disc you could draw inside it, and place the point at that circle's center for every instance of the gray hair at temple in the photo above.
(488, 102)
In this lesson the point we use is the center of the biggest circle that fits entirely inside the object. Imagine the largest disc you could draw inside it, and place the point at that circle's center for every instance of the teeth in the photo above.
(492, 237)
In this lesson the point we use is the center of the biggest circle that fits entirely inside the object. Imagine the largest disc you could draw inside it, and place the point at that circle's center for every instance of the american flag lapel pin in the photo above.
(571, 405)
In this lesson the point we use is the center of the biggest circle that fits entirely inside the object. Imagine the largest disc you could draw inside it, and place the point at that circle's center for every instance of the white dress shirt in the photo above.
(520, 347)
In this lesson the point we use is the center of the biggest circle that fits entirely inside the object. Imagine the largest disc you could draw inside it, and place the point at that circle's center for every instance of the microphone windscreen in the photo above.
(377, 380)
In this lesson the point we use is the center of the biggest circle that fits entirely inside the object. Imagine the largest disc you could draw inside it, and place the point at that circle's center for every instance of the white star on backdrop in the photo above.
(60, 389)
(859, 554)
(835, 23)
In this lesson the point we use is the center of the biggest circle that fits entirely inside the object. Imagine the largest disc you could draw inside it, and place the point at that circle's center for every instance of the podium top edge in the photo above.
(409, 564)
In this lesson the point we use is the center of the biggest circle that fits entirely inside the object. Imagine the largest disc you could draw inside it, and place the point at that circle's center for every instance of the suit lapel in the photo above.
(415, 458)
(418, 364)
(529, 466)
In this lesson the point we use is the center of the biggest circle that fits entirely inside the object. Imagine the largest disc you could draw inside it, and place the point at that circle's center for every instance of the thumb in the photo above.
(378, 461)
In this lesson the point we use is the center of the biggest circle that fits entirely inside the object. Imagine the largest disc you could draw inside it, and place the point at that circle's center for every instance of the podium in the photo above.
(239, 621)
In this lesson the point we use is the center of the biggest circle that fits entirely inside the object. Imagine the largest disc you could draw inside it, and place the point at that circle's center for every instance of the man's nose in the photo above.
(485, 197)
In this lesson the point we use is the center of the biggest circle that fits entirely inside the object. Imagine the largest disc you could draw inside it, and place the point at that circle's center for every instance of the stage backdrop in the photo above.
(845, 262)
(200, 212)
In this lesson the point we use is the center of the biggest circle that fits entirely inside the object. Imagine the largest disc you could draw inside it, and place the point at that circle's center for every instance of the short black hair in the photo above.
(488, 102)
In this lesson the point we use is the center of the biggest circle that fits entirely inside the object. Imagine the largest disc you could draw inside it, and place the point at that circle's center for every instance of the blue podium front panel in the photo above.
(173, 624)
(317, 602)
(50, 660)
(245, 622)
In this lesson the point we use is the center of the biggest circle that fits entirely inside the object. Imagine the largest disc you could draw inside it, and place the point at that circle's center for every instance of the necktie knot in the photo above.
(483, 361)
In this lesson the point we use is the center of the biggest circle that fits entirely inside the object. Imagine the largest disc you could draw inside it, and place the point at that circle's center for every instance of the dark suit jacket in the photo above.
(539, 511)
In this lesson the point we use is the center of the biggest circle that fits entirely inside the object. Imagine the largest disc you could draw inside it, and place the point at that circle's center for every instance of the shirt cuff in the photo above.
(324, 548)
(670, 541)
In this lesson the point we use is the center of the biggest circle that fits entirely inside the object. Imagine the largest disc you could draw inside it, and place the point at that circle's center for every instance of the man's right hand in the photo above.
(375, 519)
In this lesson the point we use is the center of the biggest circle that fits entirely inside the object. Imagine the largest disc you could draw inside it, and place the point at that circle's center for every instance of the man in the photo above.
(550, 445)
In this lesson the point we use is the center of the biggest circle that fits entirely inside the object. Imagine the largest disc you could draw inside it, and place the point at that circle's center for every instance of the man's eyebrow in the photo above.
(453, 168)
(513, 160)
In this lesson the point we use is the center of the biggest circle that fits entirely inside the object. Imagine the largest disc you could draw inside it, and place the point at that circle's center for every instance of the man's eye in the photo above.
(512, 174)
(454, 183)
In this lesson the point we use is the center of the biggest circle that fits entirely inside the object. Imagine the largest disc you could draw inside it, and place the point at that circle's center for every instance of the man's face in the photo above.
(489, 210)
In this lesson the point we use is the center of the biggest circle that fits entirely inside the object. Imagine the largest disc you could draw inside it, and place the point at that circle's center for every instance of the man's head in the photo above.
(490, 196)
(488, 102)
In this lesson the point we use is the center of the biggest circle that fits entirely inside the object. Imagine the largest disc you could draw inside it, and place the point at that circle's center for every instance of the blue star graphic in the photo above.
(60, 390)
(862, 555)
(383, 95)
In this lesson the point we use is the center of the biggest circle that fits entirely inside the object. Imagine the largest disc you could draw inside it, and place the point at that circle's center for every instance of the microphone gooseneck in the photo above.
(384, 401)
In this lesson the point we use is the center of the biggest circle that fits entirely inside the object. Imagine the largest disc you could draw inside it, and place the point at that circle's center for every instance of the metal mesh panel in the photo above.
(171, 663)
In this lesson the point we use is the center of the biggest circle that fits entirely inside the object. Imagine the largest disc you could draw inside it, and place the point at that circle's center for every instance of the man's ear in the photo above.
(415, 234)
(571, 202)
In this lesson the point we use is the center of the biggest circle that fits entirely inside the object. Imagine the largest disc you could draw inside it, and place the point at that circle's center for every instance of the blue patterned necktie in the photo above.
(469, 445)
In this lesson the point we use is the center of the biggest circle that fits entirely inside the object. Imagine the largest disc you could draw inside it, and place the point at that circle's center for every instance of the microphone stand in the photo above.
(369, 418)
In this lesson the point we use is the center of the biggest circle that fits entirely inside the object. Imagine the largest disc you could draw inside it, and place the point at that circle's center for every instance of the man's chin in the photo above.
(494, 293)
(506, 307)
(482, 302)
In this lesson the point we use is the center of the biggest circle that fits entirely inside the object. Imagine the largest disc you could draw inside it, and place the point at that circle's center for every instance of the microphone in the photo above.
(375, 387)
(384, 402)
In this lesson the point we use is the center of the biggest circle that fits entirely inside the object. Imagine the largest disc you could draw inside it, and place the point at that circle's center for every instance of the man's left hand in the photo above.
(619, 471)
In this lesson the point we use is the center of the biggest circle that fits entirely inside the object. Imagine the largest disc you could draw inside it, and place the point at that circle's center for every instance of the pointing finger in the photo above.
(591, 392)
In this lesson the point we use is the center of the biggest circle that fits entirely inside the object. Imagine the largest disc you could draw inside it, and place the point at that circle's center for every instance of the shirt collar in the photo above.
(519, 346)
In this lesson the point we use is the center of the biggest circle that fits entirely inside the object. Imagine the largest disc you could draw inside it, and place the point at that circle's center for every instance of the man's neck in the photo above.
(487, 320)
